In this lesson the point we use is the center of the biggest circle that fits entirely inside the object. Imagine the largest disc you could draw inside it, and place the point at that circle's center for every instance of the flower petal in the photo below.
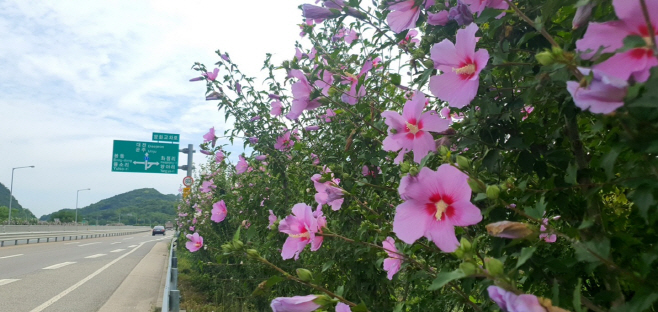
(410, 222)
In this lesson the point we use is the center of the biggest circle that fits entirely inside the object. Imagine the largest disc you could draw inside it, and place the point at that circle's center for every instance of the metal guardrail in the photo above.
(61, 227)
(55, 236)
(171, 296)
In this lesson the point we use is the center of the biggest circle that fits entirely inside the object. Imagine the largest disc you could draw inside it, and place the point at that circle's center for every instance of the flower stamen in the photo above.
(441, 207)
(413, 129)
(468, 69)
(301, 235)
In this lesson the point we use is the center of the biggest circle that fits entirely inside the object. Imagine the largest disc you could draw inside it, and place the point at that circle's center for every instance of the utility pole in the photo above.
(11, 190)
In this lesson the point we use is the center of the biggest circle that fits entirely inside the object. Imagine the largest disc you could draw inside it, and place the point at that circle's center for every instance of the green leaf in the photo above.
(398, 307)
(526, 253)
(327, 265)
(538, 211)
(643, 199)
(600, 247)
(576, 297)
(396, 79)
(236, 236)
(360, 308)
(572, 173)
(608, 162)
(445, 278)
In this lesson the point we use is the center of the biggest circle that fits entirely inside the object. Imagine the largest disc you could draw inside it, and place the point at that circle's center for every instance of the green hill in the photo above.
(138, 207)
(18, 213)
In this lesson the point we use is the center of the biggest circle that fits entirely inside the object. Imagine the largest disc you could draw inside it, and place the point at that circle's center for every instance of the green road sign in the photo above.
(166, 137)
(149, 157)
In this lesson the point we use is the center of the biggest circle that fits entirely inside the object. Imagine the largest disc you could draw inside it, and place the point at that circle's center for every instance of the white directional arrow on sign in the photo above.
(146, 162)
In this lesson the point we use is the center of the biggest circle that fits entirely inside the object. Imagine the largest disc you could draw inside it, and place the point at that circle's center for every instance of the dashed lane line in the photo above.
(57, 266)
(52, 300)
(87, 244)
(128, 238)
(72, 243)
(115, 243)
(95, 256)
(117, 250)
(5, 257)
(7, 281)
(131, 246)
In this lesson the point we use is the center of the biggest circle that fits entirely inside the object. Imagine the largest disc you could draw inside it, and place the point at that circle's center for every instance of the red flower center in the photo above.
(440, 206)
(466, 69)
(413, 129)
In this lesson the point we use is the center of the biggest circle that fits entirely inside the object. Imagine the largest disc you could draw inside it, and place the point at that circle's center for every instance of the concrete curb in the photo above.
(142, 287)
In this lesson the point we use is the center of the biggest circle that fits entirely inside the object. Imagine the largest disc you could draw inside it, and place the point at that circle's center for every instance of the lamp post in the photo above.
(11, 191)
(76, 204)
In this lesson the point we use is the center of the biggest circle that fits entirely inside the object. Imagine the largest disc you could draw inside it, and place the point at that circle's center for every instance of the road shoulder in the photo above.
(140, 290)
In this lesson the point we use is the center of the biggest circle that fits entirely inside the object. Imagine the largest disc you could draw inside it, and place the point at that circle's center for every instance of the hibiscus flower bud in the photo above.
(413, 171)
(465, 244)
(463, 162)
(318, 12)
(583, 14)
(253, 253)
(404, 167)
(494, 266)
(545, 58)
(304, 275)
(468, 268)
(493, 191)
(476, 185)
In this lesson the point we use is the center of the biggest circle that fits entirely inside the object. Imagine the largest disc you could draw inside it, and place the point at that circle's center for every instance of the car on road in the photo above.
(158, 229)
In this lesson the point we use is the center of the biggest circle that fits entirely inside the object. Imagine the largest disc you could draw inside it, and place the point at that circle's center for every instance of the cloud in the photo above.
(79, 74)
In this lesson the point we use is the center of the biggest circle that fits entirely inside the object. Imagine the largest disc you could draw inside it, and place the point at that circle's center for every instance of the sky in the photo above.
(76, 75)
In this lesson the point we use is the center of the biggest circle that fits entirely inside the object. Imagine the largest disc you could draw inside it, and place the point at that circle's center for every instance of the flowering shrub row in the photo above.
(467, 155)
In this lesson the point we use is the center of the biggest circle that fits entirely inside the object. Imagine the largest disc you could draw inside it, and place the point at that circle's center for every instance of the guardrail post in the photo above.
(174, 297)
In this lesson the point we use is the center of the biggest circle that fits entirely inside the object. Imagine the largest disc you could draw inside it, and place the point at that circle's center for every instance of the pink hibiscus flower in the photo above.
(219, 156)
(404, 14)
(218, 211)
(460, 65)
(301, 228)
(301, 92)
(511, 302)
(437, 202)
(410, 132)
(610, 36)
(341, 307)
(210, 136)
(295, 304)
(207, 186)
(276, 108)
(284, 143)
(326, 78)
(477, 6)
(410, 38)
(272, 218)
(242, 165)
(394, 261)
(195, 243)
(327, 192)
(603, 95)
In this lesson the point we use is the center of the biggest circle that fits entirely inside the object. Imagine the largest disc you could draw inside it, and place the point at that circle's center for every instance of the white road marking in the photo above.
(115, 243)
(95, 256)
(7, 281)
(57, 266)
(87, 244)
(72, 243)
(11, 256)
(117, 250)
(131, 246)
(129, 238)
(80, 283)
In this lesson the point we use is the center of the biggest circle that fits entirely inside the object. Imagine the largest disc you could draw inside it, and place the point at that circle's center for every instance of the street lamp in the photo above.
(76, 204)
(11, 191)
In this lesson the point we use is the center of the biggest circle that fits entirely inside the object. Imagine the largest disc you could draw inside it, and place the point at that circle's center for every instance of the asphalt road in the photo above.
(71, 276)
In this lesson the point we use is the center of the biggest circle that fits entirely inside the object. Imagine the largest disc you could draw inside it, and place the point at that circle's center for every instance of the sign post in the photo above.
(145, 157)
